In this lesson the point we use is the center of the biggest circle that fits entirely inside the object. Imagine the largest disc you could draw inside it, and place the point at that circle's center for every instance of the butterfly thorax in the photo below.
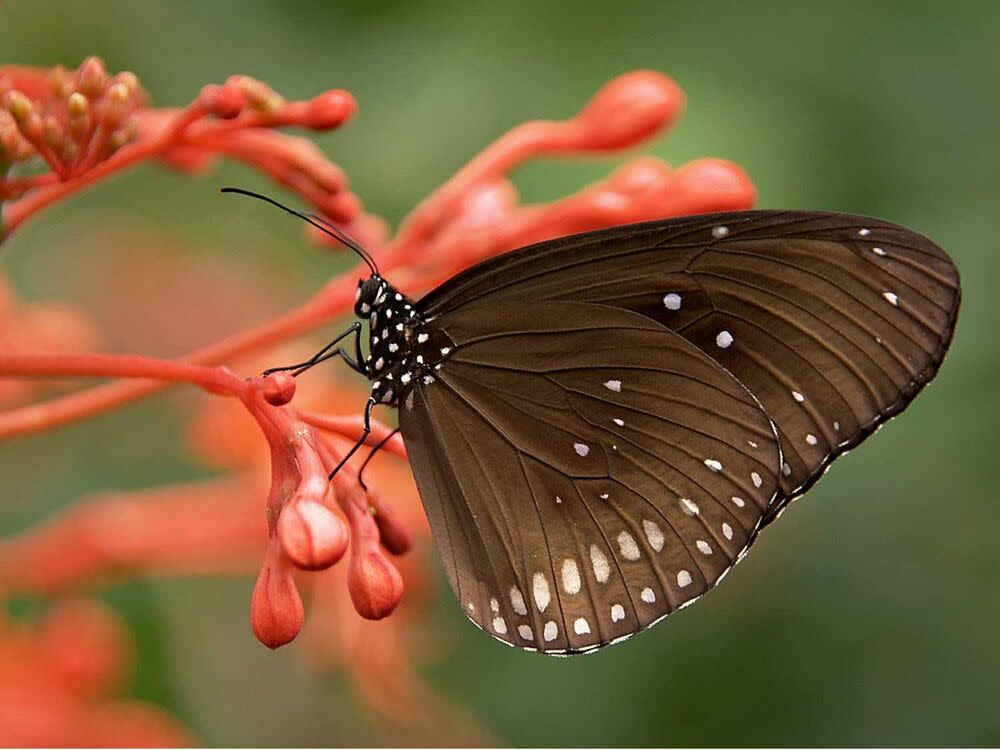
(402, 352)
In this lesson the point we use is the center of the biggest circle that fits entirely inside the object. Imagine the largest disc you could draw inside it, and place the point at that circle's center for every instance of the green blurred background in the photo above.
(869, 615)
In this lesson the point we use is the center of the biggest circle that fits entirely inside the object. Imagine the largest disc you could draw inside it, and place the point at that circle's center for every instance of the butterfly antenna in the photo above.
(319, 222)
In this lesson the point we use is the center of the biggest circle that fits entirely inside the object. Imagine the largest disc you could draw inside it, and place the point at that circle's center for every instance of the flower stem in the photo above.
(214, 379)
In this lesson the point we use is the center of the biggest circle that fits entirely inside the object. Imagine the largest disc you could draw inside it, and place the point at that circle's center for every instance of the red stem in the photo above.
(213, 379)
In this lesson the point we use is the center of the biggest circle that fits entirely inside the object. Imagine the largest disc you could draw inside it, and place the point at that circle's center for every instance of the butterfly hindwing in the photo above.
(585, 471)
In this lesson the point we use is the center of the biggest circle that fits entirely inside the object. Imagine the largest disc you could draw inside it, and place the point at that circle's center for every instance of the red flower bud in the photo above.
(225, 102)
(115, 105)
(376, 586)
(393, 533)
(630, 109)
(312, 535)
(92, 78)
(278, 388)
(722, 185)
(330, 109)
(276, 612)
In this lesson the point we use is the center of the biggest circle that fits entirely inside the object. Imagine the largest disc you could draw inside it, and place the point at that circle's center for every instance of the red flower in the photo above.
(87, 125)
(309, 523)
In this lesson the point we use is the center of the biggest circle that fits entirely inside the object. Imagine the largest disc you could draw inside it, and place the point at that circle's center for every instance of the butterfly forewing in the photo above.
(586, 471)
(833, 322)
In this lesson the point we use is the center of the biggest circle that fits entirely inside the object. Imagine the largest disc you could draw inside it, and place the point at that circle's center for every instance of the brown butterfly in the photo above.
(600, 425)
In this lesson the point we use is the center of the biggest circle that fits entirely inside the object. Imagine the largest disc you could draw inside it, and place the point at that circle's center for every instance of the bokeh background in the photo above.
(869, 615)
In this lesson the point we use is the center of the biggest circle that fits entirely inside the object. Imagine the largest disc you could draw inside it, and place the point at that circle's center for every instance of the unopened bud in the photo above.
(129, 80)
(312, 535)
(330, 110)
(225, 102)
(114, 106)
(92, 78)
(125, 134)
(630, 109)
(19, 106)
(374, 583)
(276, 611)
(53, 133)
(259, 95)
(278, 388)
(60, 82)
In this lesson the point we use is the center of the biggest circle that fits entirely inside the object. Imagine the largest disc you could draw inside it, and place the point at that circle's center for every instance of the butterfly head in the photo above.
(372, 292)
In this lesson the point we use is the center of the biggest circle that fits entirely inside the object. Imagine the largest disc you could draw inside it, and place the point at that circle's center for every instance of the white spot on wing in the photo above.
(878, 251)
(540, 588)
(672, 301)
(739, 502)
(757, 481)
(713, 464)
(627, 546)
(517, 601)
(654, 534)
(499, 625)
(704, 547)
(798, 396)
(525, 632)
(727, 531)
(581, 626)
(647, 595)
(864, 232)
(811, 439)
(570, 576)
(614, 385)
(581, 449)
(720, 231)
(551, 631)
(683, 578)
(689, 506)
(422, 337)
(724, 339)
(892, 298)
(619, 422)
(617, 612)
(600, 562)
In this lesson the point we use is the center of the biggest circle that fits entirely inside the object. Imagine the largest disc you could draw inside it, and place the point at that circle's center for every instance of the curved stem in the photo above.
(331, 301)
(212, 379)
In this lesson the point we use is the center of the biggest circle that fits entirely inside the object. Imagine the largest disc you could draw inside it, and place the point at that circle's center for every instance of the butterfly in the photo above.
(600, 425)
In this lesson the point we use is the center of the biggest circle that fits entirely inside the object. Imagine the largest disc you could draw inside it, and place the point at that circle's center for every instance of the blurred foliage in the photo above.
(867, 616)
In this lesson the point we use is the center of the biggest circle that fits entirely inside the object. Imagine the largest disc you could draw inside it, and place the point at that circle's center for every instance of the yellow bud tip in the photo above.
(129, 80)
(19, 106)
(117, 94)
(77, 105)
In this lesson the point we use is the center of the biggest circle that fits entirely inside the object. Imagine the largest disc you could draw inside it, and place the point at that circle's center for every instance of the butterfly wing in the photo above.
(833, 322)
(585, 470)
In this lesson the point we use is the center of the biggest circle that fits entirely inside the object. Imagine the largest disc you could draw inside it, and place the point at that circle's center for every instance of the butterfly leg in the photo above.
(376, 449)
(365, 432)
(325, 353)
